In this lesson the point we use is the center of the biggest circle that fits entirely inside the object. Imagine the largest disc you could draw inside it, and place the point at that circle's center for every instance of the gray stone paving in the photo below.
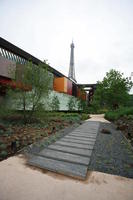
(71, 154)
(73, 158)
(77, 141)
(80, 138)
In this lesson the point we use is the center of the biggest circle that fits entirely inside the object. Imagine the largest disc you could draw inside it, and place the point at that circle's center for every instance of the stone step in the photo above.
(81, 146)
(80, 138)
(66, 168)
(58, 155)
(77, 151)
(81, 135)
(82, 131)
(77, 141)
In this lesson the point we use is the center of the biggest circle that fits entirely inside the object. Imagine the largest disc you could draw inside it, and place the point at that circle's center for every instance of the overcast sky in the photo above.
(102, 31)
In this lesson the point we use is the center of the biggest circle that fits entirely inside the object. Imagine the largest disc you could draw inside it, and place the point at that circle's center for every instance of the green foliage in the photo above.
(130, 101)
(71, 103)
(97, 110)
(36, 82)
(112, 92)
(3, 154)
(84, 116)
(55, 105)
(114, 115)
(2, 132)
(3, 146)
(82, 106)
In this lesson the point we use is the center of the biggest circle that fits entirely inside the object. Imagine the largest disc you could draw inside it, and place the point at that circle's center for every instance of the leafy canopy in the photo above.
(113, 91)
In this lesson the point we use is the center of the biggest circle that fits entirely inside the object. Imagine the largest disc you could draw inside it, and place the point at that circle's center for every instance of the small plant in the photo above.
(84, 116)
(3, 154)
(71, 104)
(2, 132)
(55, 105)
(9, 132)
(1, 142)
(3, 146)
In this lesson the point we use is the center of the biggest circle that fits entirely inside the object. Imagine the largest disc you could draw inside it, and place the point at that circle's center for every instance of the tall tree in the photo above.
(113, 91)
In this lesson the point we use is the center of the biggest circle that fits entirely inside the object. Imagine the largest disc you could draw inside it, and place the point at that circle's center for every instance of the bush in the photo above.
(3, 146)
(114, 115)
(71, 104)
(55, 105)
(3, 154)
(84, 116)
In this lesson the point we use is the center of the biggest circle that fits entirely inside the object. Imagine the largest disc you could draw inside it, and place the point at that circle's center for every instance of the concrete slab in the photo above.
(80, 146)
(82, 135)
(79, 138)
(87, 132)
(58, 155)
(77, 141)
(77, 151)
(70, 169)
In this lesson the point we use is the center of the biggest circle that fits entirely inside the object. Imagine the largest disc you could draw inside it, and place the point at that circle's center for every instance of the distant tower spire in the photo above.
(71, 74)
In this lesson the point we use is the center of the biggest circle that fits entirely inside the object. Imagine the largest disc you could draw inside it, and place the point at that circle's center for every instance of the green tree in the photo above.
(55, 105)
(35, 87)
(112, 92)
(82, 106)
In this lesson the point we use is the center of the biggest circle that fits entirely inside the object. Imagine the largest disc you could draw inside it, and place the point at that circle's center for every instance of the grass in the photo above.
(122, 112)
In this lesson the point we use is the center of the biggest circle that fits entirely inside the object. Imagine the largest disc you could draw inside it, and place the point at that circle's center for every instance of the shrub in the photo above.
(84, 116)
(3, 154)
(71, 104)
(114, 115)
(3, 146)
(55, 105)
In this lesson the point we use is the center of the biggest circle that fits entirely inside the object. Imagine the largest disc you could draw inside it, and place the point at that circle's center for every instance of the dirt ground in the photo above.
(19, 181)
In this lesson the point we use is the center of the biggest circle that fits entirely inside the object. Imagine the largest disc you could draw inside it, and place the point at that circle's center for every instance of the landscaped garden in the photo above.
(14, 135)
(123, 119)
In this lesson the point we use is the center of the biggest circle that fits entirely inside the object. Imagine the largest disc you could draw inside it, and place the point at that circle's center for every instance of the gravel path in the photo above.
(112, 153)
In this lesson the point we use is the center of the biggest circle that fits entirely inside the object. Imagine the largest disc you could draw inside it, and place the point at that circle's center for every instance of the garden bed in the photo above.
(14, 135)
(123, 119)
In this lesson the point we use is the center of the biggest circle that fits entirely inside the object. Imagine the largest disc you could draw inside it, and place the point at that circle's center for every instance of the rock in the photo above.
(105, 131)
(122, 127)
(53, 129)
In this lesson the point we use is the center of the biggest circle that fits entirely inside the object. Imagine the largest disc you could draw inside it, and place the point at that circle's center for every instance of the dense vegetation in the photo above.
(121, 112)
(112, 92)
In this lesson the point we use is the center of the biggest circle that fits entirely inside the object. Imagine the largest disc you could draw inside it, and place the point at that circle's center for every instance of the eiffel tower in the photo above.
(71, 74)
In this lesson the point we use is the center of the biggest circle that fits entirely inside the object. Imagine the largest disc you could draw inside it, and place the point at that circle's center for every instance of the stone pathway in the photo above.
(71, 154)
